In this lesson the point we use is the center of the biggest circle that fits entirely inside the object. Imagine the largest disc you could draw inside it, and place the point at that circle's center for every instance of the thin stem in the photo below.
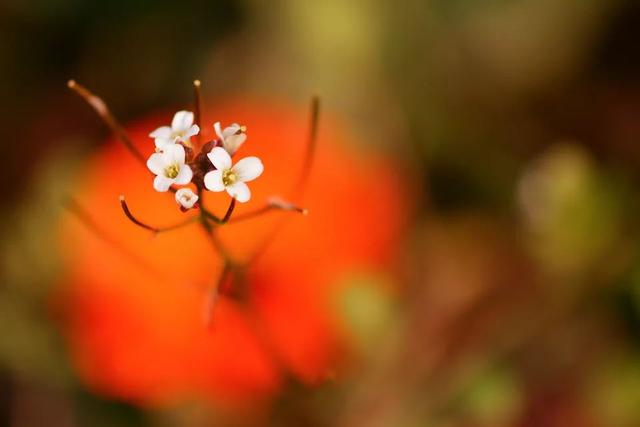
(253, 214)
(103, 112)
(155, 230)
(197, 108)
(133, 219)
(272, 205)
(312, 142)
(227, 215)
(217, 244)
(206, 213)
(114, 125)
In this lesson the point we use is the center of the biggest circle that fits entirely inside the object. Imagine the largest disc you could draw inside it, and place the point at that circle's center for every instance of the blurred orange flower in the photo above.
(134, 316)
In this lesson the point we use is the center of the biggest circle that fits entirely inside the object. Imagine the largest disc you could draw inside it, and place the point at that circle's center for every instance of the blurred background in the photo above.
(513, 125)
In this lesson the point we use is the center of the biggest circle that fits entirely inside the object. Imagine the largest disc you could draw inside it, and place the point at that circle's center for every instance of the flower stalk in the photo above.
(178, 164)
(103, 112)
(197, 110)
(141, 224)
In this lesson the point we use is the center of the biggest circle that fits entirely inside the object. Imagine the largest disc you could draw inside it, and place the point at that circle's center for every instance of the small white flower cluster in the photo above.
(172, 167)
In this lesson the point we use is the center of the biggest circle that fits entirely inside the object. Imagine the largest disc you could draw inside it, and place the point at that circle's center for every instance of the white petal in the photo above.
(213, 181)
(220, 158)
(174, 153)
(248, 169)
(186, 198)
(231, 130)
(156, 163)
(218, 130)
(182, 120)
(161, 132)
(184, 192)
(232, 143)
(184, 176)
(240, 191)
(161, 183)
(192, 131)
(161, 143)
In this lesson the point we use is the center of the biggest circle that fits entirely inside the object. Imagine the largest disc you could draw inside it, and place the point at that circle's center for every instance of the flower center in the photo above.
(229, 177)
(172, 171)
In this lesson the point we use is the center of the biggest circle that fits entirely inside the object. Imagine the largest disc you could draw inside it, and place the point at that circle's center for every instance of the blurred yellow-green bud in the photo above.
(570, 210)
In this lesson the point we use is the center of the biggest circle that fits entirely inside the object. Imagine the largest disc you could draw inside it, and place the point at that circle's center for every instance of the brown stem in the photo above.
(312, 142)
(141, 224)
(197, 110)
(206, 213)
(273, 205)
(217, 244)
(227, 215)
(252, 214)
(103, 112)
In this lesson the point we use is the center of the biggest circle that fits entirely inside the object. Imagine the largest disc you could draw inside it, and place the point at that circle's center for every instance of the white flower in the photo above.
(182, 128)
(232, 137)
(169, 167)
(232, 178)
(186, 198)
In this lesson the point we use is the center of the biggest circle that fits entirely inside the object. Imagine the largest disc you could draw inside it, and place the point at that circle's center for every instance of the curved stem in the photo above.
(273, 205)
(100, 107)
(136, 221)
(210, 216)
(298, 191)
(253, 214)
(230, 209)
(103, 112)
(112, 123)
(217, 244)
(312, 142)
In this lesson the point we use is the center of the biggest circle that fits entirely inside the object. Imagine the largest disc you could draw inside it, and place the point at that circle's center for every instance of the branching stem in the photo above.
(205, 222)
(211, 217)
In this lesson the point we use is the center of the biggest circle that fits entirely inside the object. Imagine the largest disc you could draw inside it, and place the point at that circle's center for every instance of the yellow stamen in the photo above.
(172, 171)
(229, 177)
